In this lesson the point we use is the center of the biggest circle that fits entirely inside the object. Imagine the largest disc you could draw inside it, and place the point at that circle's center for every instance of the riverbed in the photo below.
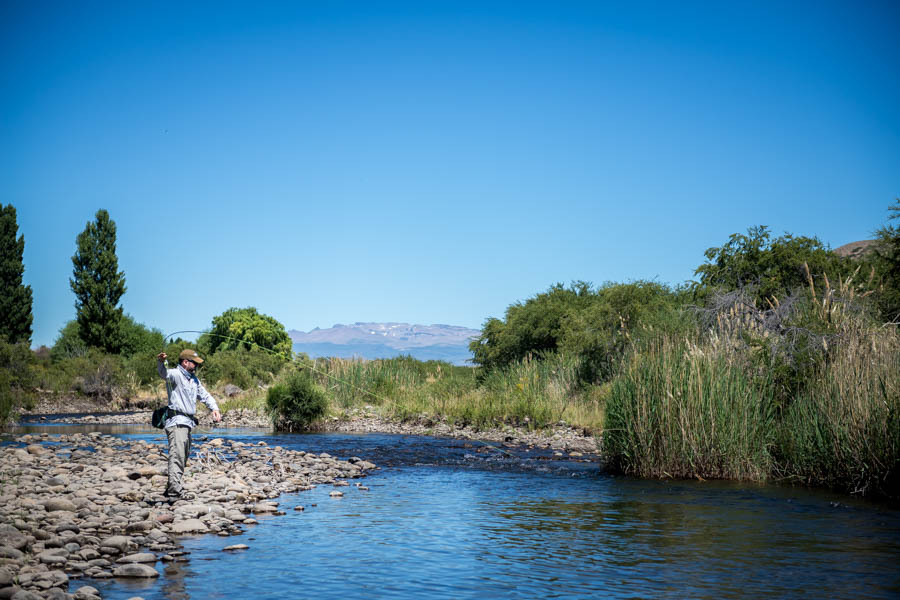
(450, 518)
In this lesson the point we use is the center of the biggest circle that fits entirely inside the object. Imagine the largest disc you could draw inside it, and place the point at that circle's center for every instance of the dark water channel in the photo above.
(453, 519)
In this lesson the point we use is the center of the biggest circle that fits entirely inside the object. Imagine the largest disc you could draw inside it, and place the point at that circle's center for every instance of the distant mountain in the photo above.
(387, 340)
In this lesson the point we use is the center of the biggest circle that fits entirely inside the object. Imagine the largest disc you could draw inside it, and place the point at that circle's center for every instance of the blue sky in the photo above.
(432, 162)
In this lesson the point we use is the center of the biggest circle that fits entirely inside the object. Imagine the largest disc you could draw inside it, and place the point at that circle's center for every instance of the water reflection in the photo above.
(718, 540)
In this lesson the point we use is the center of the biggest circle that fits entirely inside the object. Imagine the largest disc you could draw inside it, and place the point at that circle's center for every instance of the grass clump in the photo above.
(530, 393)
(296, 401)
(677, 411)
(843, 429)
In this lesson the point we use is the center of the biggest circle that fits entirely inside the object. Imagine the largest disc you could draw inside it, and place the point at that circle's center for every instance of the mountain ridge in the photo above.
(372, 340)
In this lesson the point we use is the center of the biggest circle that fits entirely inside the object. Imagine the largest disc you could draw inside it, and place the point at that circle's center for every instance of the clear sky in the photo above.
(431, 162)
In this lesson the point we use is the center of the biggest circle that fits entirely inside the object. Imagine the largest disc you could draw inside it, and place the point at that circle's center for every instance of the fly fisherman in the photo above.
(184, 391)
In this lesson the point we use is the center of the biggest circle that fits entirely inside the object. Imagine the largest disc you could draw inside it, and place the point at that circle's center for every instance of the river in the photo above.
(447, 518)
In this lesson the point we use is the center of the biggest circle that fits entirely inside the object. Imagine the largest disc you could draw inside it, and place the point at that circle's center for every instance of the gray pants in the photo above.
(179, 450)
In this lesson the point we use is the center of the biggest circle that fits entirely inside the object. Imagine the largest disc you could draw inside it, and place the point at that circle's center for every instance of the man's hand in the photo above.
(161, 356)
(216, 416)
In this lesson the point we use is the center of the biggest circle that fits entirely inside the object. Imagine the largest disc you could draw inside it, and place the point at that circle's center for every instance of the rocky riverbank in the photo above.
(87, 506)
(561, 437)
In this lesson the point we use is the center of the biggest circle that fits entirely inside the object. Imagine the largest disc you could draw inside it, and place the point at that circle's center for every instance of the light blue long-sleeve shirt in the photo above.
(184, 391)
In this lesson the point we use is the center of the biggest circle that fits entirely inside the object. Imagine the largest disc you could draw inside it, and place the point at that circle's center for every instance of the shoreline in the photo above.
(89, 505)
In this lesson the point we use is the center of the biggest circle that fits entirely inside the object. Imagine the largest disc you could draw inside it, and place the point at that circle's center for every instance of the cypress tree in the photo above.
(98, 284)
(15, 298)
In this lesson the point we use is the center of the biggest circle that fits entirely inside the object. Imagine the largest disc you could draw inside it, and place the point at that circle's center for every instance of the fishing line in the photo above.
(302, 366)
(280, 354)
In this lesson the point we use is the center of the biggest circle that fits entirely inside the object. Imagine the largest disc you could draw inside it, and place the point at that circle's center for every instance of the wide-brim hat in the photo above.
(190, 355)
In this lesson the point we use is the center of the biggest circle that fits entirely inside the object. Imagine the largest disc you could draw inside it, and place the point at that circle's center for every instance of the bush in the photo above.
(94, 374)
(243, 368)
(296, 402)
(68, 343)
(531, 327)
(17, 378)
(773, 268)
(596, 325)
(143, 366)
(620, 313)
(138, 338)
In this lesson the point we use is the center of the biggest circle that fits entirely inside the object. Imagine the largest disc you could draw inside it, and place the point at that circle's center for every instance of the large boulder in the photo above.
(119, 542)
(59, 504)
(10, 552)
(232, 390)
(135, 570)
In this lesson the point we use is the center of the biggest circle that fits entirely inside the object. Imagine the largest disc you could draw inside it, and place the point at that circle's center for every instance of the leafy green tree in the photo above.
(602, 332)
(15, 298)
(595, 325)
(138, 338)
(98, 284)
(68, 343)
(887, 261)
(244, 327)
(530, 327)
(771, 267)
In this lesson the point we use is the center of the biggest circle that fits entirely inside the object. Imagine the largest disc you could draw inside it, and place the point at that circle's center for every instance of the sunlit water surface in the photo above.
(453, 519)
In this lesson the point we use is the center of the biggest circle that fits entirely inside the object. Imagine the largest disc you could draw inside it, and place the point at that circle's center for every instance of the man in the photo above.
(184, 391)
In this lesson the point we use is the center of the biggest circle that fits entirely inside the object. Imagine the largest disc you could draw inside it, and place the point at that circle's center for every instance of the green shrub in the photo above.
(243, 368)
(772, 268)
(296, 402)
(595, 324)
(17, 378)
(68, 343)
(227, 367)
(143, 366)
(138, 338)
(94, 374)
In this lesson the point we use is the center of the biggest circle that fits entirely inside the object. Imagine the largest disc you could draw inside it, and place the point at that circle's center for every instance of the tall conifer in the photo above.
(15, 298)
(98, 284)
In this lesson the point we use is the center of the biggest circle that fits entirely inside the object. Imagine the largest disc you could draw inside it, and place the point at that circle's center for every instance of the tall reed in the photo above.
(677, 411)
(843, 431)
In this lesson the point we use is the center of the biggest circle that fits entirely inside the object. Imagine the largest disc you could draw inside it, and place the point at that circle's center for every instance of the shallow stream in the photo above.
(447, 518)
